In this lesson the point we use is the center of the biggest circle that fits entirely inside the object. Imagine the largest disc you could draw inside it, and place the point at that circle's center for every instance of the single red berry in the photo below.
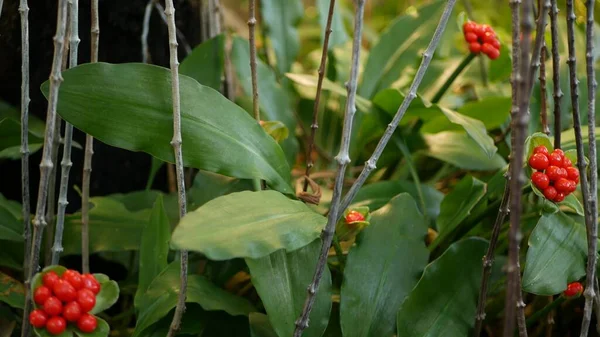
(574, 289)
(495, 43)
(38, 318)
(469, 27)
(493, 54)
(486, 48)
(540, 180)
(562, 172)
(550, 193)
(86, 299)
(41, 294)
(56, 325)
(573, 174)
(540, 149)
(538, 161)
(572, 186)
(553, 173)
(556, 159)
(470, 37)
(567, 162)
(354, 216)
(475, 47)
(64, 291)
(559, 151)
(562, 185)
(479, 30)
(72, 311)
(488, 29)
(87, 323)
(559, 197)
(90, 282)
(53, 306)
(49, 279)
(73, 277)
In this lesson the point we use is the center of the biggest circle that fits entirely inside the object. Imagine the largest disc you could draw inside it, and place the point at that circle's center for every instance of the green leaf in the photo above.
(102, 330)
(129, 106)
(205, 63)
(457, 205)
(208, 186)
(461, 151)
(10, 139)
(161, 297)
(12, 292)
(281, 279)
(112, 227)
(379, 276)
(44, 333)
(260, 325)
(247, 224)
(275, 102)
(556, 255)
(435, 308)
(338, 34)
(492, 111)
(280, 19)
(108, 295)
(376, 195)
(154, 248)
(399, 47)
(11, 225)
(276, 129)
(537, 139)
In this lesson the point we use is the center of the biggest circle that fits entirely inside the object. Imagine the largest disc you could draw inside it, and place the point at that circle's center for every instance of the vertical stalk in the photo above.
(591, 201)
(543, 94)
(558, 94)
(343, 159)
(315, 121)
(252, 40)
(459, 69)
(51, 203)
(145, 30)
(46, 164)
(176, 143)
(66, 158)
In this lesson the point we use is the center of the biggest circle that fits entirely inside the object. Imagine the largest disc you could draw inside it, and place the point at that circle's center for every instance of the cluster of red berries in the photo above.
(481, 39)
(574, 289)
(353, 217)
(65, 299)
(555, 176)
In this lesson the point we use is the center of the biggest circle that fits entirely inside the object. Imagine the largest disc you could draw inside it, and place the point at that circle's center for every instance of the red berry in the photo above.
(538, 161)
(474, 47)
(38, 318)
(470, 37)
(53, 306)
(90, 282)
(559, 151)
(553, 173)
(573, 289)
(488, 29)
(86, 299)
(479, 30)
(486, 48)
(72, 311)
(354, 216)
(49, 279)
(559, 197)
(540, 180)
(562, 172)
(567, 162)
(493, 54)
(572, 186)
(540, 149)
(469, 26)
(56, 325)
(87, 323)
(550, 193)
(556, 159)
(73, 277)
(495, 43)
(573, 174)
(562, 185)
(41, 294)
(64, 291)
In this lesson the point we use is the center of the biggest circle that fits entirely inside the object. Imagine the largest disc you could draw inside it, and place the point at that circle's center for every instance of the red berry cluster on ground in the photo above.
(574, 289)
(555, 174)
(354, 216)
(65, 299)
(481, 39)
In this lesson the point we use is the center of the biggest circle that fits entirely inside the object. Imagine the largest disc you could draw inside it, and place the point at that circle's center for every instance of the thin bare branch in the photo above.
(51, 202)
(543, 93)
(146, 57)
(558, 94)
(252, 41)
(180, 37)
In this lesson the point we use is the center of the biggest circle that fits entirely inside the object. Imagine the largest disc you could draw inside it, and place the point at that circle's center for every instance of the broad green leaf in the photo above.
(338, 34)
(281, 279)
(108, 295)
(12, 291)
(379, 276)
(44, 333)
(447, 308)
(10, 139)
(492, 111)
(457, 205)
(537, 139)
(275, 102)
(280, 21)
(376, 195)
(155, 165)
(556, 255)
(399, 46)
(247, 224)
(276, 129)
(260, 326)
(102, 330)
(112, 227)
(154, 248)
(208, 186)
(205, 63)
(11, 225)
(161, 297)
(461, 151)
(129, 106)
(36, 126)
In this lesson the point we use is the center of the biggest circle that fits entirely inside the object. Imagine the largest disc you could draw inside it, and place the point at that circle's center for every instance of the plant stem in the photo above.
(339, 252)
(370, 165)
(66, 158)
(343, 159)
(545, 310)
(180, 37)
(176, 143)
(543, 95)
(252, 41)
(46, 164)
(51, 203)
(315, 121)
(591, 202)
(413, 173)
(463, 64)
(145, 30)
(558, 94)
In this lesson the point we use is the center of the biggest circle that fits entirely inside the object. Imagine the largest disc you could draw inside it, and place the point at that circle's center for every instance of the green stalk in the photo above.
(465, 62)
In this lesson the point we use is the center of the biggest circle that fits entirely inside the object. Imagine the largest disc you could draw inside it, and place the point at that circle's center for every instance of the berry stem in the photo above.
(459, 69)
